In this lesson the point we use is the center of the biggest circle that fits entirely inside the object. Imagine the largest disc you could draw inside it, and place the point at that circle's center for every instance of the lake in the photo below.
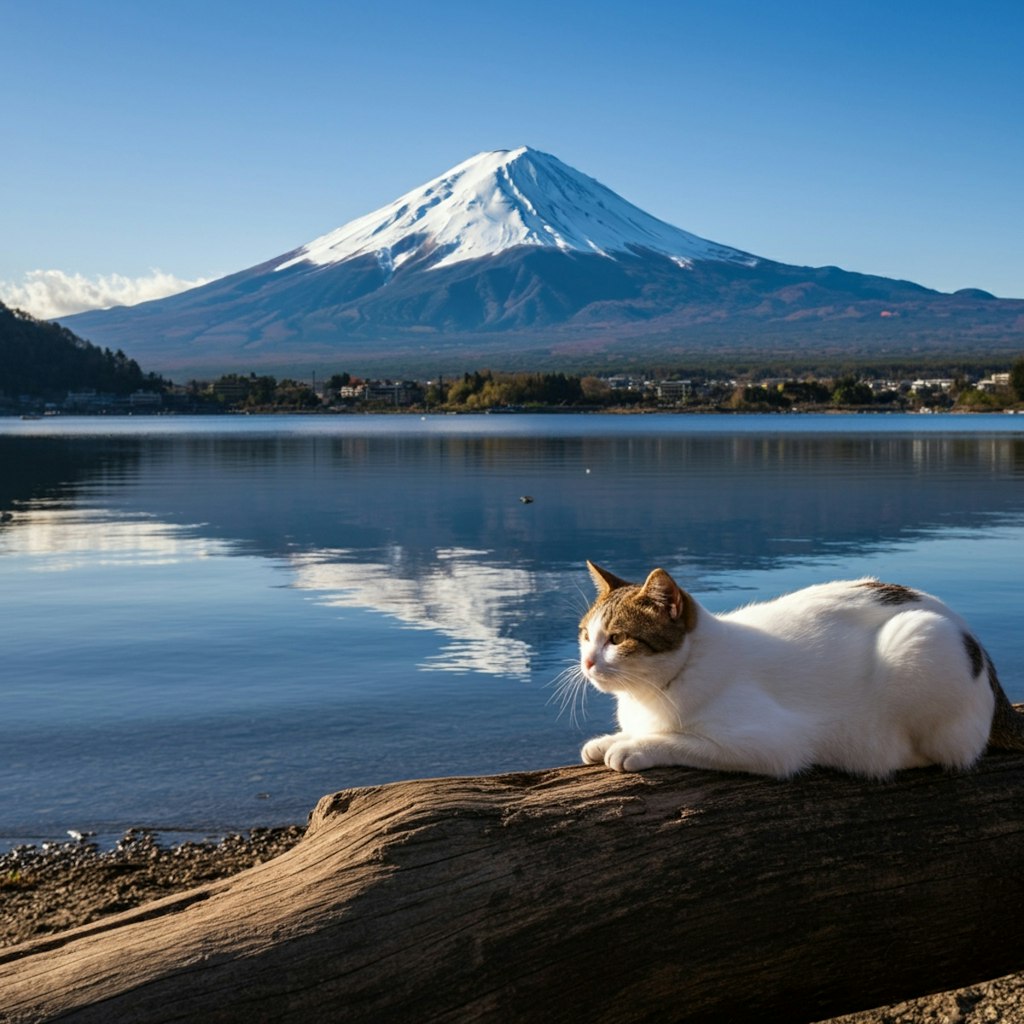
(211, 622)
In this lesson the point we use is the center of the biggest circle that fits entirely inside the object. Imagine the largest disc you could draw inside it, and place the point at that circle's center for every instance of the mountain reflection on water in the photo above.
(460, 596)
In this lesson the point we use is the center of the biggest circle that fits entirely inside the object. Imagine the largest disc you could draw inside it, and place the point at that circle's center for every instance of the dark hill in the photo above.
(45, 360)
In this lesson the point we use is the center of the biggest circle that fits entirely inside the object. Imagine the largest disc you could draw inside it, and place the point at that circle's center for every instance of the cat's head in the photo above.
(633, 635)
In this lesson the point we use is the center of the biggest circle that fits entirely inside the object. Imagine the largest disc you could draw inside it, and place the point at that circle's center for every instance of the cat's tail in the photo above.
(1007, 732)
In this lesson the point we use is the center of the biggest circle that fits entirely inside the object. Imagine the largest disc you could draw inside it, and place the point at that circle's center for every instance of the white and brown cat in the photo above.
(859, 675)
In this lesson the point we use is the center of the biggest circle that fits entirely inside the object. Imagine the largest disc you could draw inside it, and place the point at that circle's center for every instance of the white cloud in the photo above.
(47, 294)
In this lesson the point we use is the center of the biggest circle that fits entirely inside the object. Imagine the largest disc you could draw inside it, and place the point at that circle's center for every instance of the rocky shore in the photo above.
(56, 886)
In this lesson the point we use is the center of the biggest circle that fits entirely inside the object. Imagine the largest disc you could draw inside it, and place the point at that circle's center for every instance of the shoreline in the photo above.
(104, 840)
(52, 887)
(539, 410)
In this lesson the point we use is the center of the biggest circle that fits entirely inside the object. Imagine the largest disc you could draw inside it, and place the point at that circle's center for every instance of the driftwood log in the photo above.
(575, 895)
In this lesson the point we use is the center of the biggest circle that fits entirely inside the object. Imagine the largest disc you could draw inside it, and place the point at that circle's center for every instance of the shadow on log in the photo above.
(575, 895)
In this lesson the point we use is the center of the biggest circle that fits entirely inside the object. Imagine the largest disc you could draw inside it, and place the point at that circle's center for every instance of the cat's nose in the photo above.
(588, 663)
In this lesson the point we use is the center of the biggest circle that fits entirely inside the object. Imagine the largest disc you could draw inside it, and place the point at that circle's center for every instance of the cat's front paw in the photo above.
(593, 752)
(628, 756)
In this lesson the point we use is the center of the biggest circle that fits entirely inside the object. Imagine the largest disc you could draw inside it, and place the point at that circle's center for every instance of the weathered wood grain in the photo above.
(575, 895)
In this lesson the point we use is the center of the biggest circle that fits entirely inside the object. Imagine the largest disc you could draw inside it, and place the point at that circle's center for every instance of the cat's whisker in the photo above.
(578, 607)
(563, 684)
(569, 685)
(584, 599)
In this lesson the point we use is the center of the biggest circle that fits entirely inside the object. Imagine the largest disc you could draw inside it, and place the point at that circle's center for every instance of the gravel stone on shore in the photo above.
(56, 886)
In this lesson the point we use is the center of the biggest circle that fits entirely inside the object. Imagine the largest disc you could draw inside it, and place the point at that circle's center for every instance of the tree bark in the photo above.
(572, 895)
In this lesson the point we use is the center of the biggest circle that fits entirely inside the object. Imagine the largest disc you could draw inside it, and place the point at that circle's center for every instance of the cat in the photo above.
(858, 675)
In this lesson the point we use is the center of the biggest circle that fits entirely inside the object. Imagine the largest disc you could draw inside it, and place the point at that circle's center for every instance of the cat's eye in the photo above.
(616, 638)
(584, 633)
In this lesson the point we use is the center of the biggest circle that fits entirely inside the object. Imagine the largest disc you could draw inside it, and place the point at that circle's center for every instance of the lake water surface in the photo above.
(208, 623)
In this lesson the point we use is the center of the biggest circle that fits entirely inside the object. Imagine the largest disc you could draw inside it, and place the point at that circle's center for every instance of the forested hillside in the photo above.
(46, 360)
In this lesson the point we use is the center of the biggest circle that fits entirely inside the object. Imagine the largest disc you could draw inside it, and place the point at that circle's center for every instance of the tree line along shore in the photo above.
(490, 390)
(46, 368)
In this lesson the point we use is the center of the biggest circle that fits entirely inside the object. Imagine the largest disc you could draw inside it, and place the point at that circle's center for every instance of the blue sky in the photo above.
(200, 138)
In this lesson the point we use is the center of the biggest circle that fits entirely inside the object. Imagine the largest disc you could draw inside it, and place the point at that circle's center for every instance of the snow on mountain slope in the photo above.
(502, 199)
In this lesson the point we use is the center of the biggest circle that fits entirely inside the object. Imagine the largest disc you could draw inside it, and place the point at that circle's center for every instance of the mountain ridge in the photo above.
(514, 257)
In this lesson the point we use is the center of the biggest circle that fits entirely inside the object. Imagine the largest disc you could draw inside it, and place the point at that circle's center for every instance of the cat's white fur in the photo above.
(831, 675)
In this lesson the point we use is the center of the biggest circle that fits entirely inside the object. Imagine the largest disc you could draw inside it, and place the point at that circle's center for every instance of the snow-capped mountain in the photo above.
(497, 201)
(512, 258)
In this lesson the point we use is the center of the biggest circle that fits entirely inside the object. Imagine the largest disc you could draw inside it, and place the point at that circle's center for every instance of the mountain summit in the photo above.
(497, 201)
(514, 259)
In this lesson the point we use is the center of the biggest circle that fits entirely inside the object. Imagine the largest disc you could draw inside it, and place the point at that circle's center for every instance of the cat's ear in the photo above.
(666, 593)
(604, 580)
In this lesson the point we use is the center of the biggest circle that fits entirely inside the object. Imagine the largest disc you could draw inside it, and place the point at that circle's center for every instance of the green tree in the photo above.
(293, 394)
(261, 391)
(595, 390)
(851, 391)
(975, 400)
(46, 360)
(811, 391)
(1017, 378)
(759, 395)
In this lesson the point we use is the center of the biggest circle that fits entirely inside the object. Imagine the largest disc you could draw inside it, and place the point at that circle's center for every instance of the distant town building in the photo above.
(673, 390)
(397, 392)
(231, 389)
(997, 380)
(620, 382)
(932, 384)
(88, 400)
(145, 399)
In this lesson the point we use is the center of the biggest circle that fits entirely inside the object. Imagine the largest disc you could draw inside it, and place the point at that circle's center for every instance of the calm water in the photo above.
(209, 623)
